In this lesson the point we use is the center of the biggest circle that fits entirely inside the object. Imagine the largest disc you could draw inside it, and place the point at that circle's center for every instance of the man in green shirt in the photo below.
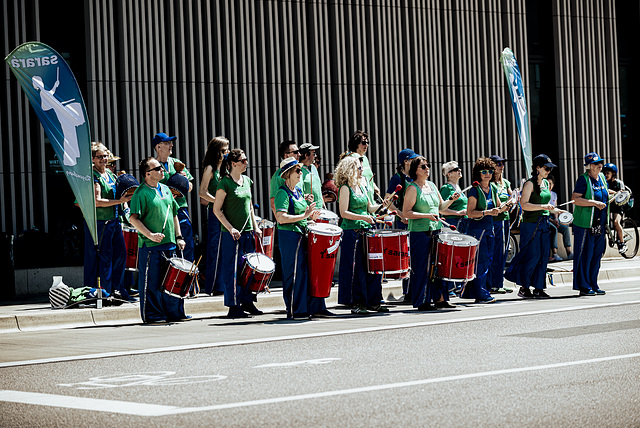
(312, 185)
(287, 148)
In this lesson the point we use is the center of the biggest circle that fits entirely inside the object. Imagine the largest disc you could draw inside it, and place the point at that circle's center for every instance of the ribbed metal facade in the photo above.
(420, 74)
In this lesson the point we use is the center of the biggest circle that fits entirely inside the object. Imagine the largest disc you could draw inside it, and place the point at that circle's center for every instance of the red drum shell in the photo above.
(257, 270)
(265, 245)
(131, 244)
(456, 256)
(388, 253)
(323, 241)
(179, 277)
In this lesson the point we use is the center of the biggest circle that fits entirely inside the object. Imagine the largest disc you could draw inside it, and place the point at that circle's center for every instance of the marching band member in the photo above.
(422, 206)
(614, 184)
(501, 230)
(163, 145)
(311, 184)
(216, 150)
(233, 208)
(528, 268)
(453, 173)
(292, 213)
(358, 288)
(401, 178)
(111, 251)
(357, 147)
(154, 213)
(482, 206)
(590, 218)
(286, 149)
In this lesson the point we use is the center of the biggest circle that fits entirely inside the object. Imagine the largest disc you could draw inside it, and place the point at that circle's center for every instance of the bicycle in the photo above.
(630, 236)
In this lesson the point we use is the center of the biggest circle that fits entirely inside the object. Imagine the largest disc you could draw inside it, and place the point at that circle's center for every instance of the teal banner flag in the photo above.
(518, 102)
(53, 92)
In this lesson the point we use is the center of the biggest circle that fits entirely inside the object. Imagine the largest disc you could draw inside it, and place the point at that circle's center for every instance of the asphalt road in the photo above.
(565, 361)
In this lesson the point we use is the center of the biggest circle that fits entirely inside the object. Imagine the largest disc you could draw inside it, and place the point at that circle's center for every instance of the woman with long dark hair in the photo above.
(216, 150)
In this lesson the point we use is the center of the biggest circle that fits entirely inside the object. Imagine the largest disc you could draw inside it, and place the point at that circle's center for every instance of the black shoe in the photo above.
(426, 307)
(444, 305)
(525, 293)
(324, 313)
(301, 317)
(585, 292)
(236, 312)
(378, 308)
(600, 292)
(540, 294)
(251, 308)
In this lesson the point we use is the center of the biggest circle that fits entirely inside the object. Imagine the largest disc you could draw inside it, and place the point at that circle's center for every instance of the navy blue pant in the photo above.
(588, 252)
(529, 267)
(501, 231)
(187, 233)
(406, 289)
(294, 272)
(356, 285)
(155, 304)
(477, 288)
(231, 268)
(423, 289)
(212, 280)
(111, 257)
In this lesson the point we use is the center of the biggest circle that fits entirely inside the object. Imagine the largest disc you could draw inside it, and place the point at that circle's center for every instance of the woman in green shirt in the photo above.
(234, 210)
(216, 150)
(292, 213)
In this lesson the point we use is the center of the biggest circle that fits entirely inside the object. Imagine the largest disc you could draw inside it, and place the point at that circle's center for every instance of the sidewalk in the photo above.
(36, 314)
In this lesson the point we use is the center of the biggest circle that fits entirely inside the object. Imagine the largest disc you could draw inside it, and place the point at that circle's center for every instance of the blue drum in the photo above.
(179, 185)
(126, 184)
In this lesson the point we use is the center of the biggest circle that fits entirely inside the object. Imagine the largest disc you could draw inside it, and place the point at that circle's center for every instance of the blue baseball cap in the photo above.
(406, 154)
(592, 157)
(161, 137)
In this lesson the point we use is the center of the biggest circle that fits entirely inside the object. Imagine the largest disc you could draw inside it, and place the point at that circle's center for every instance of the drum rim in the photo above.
(465, 244)
(326, 232)
(324, 210)
(255, 268)
(373, 233)
(193, 270)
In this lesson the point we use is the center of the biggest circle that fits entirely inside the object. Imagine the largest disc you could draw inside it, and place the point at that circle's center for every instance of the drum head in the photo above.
(265, 224)
(260, 262)
(457, 239)
(387, 232)
(329, 215)
(183, 265)
(565, 218)
(622, 197)
(325, 229)
(129, 229)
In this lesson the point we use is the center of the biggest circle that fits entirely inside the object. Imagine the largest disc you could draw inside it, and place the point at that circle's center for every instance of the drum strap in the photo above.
(291, 210)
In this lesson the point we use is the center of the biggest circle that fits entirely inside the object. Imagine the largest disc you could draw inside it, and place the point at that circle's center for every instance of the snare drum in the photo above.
(179, 277)
(265, 245)
(622, 197)
(327, 216)
(257, 270)
(456, 254)
(131, 244)
(565, 218)
(388, 252)
(323, 241)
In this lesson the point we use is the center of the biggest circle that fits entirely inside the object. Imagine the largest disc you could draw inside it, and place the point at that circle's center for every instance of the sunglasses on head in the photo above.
(425, 165)
(158, 168)
(486, 171)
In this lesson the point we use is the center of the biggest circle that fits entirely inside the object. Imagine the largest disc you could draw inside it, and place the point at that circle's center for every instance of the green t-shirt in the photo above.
(237, 204)
(358, 203)
(213, 185)
(503, 196)
(367, 175)
(107, 191)
(459, 204)
(426, 203)
(282, 203)
(538, 198)
(307, 177)
(169, 170)
(277, 182)
(152, 206)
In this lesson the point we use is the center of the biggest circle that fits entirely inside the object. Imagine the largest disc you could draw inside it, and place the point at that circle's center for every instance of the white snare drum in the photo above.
(327, 216)
(565, 218)
(622, 197)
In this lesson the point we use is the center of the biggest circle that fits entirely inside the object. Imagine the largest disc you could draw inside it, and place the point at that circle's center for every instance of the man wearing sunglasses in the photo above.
(311, 183)
(154, 213)
(163, 146)
(286, 149)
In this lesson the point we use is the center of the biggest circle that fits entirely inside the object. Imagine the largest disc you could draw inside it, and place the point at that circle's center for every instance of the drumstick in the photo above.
(194, 267)
(391, 198)
(450, 226)
(165, 219)
(566, 203)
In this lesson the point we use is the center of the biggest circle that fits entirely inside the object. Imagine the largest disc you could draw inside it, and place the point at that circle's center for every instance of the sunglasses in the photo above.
(297, 170)
(546, 168)
(455, 170)
(486, 171)
(101, 156)
(295, 152)
(244, 161)
(158, 168)
(365, 142)
(499, 164)
(425, 165)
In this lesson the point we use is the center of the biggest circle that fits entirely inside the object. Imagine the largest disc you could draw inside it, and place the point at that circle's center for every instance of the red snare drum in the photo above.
(131, 244)
(457, 256)
(180, 275)
(265, 245)
(328, 217)
(322, 252)
(388, 252)
(257, 271)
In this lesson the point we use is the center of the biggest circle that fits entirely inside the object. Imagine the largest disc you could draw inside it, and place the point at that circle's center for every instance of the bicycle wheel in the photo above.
(513, 248)
(631, 238)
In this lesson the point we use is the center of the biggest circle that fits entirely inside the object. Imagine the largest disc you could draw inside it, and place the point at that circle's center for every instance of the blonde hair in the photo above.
(449, 165)
(347, 172)
(97, 146)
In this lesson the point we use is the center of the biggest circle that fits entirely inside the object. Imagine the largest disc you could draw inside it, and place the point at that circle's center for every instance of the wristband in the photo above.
(179, 237)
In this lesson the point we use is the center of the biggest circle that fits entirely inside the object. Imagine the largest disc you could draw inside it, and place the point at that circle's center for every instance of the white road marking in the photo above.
(299, 363)
(143, 409)
(312, 335)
